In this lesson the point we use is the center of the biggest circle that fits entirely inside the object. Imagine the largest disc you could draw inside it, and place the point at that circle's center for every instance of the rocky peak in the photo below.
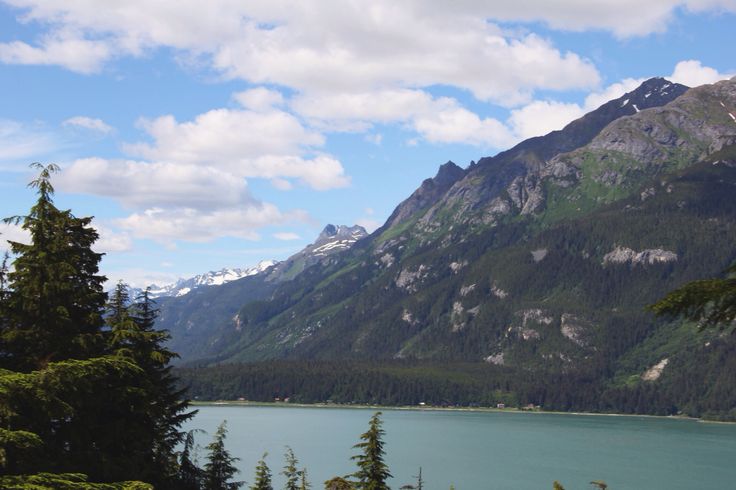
(331, 233)
(480, 195)
(654, 92)
(448, 173)
(427, 194)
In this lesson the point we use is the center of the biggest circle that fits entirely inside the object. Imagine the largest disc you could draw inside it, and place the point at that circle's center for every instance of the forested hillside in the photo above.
(543, 258)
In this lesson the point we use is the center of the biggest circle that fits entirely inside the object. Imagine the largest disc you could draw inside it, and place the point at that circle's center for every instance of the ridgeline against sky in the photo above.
(203, 136)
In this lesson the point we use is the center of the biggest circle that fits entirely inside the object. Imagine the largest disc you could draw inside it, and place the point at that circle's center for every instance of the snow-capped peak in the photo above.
(213, 278)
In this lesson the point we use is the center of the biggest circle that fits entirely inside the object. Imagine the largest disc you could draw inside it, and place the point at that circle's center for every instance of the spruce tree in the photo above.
(220, 468)
(263, 476)
(55, 299)
(339, 483)
(303, 482)
(291, 472)
(190, 475)
(52, 347)
(77, 396)
(157, 406)
(372, 469)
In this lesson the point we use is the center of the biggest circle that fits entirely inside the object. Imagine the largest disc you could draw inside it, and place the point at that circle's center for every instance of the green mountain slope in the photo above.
(539, 260)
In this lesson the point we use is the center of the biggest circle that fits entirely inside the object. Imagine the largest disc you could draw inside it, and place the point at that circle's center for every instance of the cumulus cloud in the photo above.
(692, 73)
(259, 99)
(286, 236)
(90, 123)
(111, 241)
(190, 180)
(313, 45)
(541, 117)
(169, 225)
(159, 184)
(436, 119)
(74, 53)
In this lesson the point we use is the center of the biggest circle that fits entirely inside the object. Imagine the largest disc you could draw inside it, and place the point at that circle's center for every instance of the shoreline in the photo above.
(429, 408)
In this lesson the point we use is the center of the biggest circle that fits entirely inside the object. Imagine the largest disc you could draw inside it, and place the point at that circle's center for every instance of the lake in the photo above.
(483, 450)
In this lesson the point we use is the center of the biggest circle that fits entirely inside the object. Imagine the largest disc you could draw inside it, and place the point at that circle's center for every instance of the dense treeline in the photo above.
(699, 384)
(86, 393)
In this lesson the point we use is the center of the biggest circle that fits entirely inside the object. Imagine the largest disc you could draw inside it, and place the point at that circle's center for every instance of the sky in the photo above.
(203, 135)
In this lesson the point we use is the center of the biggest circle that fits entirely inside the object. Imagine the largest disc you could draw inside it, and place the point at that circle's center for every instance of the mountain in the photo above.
(200, 312)
(212, 278)
(539, 263)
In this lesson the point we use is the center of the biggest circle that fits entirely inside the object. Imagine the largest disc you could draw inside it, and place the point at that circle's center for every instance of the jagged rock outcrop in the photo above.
(426, 194)
(624, 255)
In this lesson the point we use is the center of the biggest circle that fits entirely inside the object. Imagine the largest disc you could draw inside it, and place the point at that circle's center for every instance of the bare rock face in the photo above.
(427, 194)
(571, 327)
(407, 279)
(497, 359)
(685, 131)
(654, 372)
(624, 255)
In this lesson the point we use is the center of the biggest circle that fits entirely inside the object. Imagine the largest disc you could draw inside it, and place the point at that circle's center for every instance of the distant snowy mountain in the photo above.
(333, 239)
(213, 278)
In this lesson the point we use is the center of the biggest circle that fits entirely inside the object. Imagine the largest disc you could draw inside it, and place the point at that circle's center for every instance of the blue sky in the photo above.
(215, 134)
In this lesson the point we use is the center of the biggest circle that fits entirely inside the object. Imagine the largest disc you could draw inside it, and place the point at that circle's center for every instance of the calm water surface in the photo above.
(485, 450)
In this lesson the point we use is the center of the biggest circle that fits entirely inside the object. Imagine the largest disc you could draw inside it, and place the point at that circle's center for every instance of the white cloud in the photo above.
(60, 48)
(88, 123)
(19, 143)
(459, 125)
(169, 225)
(224, 135)
(14, 233)
(369, 224)
(111, 241)
(437, 120)
(259, 99)
(282, 184)
(267, 144)
(541, 117)
(692, 73)
(139, 184)
(139, 278)
(314, 45)
(286, 236)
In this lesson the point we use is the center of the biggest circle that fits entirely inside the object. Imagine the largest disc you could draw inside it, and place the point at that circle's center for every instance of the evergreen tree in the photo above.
(338, 483)
(76, 397)
(372, 470)
(711, 302)
(418, 486)
(190, 475)
(291, 472)
(263, 476)
(303, 483)
(220, 467)
(55, 298)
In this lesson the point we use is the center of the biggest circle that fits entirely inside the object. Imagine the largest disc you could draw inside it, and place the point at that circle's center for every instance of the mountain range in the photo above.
(541, 258)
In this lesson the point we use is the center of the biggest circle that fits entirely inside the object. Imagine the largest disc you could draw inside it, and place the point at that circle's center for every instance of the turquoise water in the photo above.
(485, 450)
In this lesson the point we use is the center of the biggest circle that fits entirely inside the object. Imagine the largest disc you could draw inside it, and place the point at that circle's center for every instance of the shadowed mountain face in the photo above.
(541, 257)
(201, 314)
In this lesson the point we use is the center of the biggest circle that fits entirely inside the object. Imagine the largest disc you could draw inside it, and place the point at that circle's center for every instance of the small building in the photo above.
(501, 405)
